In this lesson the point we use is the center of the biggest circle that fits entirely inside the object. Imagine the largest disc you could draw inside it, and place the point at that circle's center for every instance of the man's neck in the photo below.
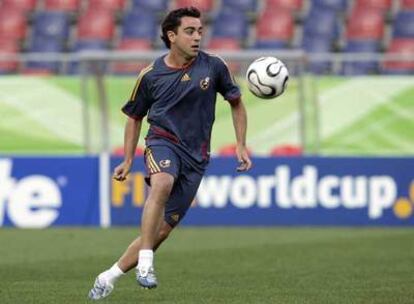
(177, 61)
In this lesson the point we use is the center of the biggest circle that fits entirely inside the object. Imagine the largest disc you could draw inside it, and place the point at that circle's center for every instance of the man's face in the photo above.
(188, 37)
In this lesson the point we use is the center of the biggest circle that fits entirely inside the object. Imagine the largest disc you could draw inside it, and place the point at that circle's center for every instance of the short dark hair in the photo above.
(173, 20)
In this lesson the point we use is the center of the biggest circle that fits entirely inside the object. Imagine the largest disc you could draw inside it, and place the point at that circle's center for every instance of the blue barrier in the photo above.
(41, 192)
(63, 191)
(289, 191)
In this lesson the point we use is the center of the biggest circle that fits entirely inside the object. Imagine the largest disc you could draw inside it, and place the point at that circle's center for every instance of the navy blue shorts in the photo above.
(161, 158)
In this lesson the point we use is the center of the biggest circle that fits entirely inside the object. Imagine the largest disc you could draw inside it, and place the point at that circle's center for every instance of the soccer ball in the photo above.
(267, 77)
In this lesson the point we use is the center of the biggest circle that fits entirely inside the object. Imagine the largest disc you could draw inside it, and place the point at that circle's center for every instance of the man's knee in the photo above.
(162, 182)
(165, 231)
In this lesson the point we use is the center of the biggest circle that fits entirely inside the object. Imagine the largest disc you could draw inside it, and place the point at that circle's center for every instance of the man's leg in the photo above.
(152, 218)
(129, 259)
(153, 229)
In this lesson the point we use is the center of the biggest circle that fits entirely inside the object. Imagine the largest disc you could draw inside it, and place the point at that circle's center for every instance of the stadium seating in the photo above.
(407, 4)
(52, 25)
(361, 67)
(321, 22)
(139, 24)
(230, 24)
(365, 24)
(128, 67)
(22, 5)
(84, 46)
(226, 44)
(205, 6)
(404, 25)
(291, 5)
(381, 5)
(403, 46)
(62, 5)
(317, 45)
(112, 5)
(275, 28)
(8, 46)
(153, 5)
(13, 24)
(334, 5)
(43, 45)
(245, 6)
(96, 25)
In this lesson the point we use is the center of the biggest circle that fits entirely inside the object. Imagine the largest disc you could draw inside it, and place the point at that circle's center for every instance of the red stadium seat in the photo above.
(62, 5)
(22, 5)
(291, 5)
(382, 5)
(96, 25)
(407, 5)
(365, 24)
(226, 44)
(113, 5)
(275, 25)
(286, 150)
(203, 5)
(13, 23)
(8, 46)
(403, 47)
(128, 67)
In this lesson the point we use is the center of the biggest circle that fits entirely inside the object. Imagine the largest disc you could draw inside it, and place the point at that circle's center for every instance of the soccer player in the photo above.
(178, 94)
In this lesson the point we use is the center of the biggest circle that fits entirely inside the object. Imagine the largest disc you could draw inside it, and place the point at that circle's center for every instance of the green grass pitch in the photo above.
(215, 265)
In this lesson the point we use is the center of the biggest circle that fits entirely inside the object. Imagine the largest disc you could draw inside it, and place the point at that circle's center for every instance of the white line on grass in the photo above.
(340, 107)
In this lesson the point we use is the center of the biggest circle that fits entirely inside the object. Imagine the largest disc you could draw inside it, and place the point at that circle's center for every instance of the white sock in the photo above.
(145, 260)
(112, 274)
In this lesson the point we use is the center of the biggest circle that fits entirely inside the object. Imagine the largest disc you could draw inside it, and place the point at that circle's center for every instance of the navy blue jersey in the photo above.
(180, 103)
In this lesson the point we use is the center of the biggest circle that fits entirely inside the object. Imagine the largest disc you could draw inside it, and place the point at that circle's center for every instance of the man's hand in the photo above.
(244, 160)
(121, 171)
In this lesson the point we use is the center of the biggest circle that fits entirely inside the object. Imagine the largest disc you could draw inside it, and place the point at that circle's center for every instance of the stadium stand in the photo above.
(230, 24)
(205, 6)
(25, 6)
(111, 5)
(291, 5)
(400, 46)
(315, 26)
(274, 29)
(62, 5)
(139, 25)
(96, 25)
(158, 6)
(13, 23)
(365, 24)
(407, 4)
(130, 68)
(365, 67)
(8, 46)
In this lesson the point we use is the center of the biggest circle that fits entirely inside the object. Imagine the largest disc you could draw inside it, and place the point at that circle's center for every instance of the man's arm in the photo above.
(239, 116)
(131, 136)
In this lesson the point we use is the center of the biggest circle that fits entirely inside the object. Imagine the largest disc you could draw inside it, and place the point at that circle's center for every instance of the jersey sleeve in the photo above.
(225, 82)
(140, 101)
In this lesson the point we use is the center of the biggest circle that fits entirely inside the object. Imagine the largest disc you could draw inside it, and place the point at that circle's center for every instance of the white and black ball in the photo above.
(267, 77)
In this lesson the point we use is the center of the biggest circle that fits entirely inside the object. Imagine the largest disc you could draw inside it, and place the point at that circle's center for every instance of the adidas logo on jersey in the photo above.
(185, 77)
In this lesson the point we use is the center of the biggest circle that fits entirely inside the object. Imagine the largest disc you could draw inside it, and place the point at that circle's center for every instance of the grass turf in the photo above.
(215, 265)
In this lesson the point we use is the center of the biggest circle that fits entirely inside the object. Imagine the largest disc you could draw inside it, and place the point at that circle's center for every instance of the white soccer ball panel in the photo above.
(267, 77)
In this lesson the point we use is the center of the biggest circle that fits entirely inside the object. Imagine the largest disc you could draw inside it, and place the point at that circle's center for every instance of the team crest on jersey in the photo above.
(165, 163)
(205, 83)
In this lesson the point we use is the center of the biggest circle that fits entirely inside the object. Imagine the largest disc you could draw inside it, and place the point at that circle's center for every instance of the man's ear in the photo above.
(171, 35)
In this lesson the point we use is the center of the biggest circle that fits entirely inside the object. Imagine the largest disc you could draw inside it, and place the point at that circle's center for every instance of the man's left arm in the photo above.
(239, 116)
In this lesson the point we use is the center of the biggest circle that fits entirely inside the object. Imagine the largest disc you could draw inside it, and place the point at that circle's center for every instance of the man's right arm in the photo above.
(131, 136)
